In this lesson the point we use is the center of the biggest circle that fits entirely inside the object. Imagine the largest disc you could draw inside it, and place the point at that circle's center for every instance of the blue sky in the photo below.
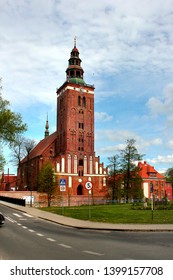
(126, 47)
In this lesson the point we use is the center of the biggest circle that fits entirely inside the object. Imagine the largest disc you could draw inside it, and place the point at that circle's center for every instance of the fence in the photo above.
(13, 200)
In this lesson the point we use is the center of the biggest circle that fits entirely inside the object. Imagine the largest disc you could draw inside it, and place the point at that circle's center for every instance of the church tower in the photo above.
(75, 129)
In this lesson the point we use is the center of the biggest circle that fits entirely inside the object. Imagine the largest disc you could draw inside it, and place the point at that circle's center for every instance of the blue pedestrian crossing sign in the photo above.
(62, 182)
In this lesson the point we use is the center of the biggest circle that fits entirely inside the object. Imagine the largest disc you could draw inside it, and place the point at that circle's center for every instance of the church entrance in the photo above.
(80, 190)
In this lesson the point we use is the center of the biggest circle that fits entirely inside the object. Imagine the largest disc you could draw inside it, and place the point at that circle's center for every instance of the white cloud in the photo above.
(38, 36)
(110, 142)
(170, 144)
(163, 105)
(102, 116)
(162, 159)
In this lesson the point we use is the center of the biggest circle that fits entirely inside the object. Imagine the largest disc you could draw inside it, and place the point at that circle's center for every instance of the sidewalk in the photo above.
(81, 224)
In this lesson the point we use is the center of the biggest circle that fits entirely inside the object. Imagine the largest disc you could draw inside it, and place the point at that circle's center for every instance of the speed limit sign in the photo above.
(88, 185)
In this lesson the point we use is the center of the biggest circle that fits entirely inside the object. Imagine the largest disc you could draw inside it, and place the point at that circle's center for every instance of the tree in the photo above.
(46, 181)
(11, 124)
(2, 160)
(128, 156)
(169, 175)
(21, 148)
(115, 177)
(18, 151)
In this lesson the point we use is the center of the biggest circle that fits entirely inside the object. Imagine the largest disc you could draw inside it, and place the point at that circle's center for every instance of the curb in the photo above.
(83, 224)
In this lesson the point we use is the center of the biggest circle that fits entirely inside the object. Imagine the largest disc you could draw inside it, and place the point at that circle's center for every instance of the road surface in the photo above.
(24, 237)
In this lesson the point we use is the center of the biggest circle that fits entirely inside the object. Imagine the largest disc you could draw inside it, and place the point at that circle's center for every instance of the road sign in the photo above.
(88, 185)
(62, 182)
(62, 185)
(62, 188)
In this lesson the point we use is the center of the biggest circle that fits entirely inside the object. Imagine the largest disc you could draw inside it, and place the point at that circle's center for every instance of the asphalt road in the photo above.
(24, 237)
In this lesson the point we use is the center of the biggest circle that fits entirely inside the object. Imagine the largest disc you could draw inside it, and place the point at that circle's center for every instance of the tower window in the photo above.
(71, 73)
(80, 162)
(79, 101)
(81, 140)
(84, 102)
(78, 74)
(81, 125)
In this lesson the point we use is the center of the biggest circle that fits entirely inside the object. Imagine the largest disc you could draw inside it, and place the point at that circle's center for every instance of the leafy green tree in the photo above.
(11, 124)
(128, 157)
(169, 175)
(136, 187)
(2, 160)
(115, 179)
(46, 181)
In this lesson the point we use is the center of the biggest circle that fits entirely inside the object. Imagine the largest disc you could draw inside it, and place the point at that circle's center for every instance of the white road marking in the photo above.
(93, 253)
(51, 239)
(17, 215)
(40, 234)
(10, 219)
(24, 227)
(31, 230)
(27, 215)
(65, 246)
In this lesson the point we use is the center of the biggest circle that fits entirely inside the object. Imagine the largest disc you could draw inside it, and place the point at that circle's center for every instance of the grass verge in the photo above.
(118, 213)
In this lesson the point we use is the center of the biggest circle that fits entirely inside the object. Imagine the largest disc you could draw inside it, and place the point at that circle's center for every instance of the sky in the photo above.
(126, 47)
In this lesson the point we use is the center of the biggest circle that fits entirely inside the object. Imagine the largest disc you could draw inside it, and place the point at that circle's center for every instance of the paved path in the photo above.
(88, 224)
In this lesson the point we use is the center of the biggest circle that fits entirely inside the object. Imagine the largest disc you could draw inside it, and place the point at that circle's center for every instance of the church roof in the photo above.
(42, 146)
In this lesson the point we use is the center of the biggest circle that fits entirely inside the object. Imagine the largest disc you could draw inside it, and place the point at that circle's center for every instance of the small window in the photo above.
(79, 101)
(81, 125)
(81, 162)
(84, 102)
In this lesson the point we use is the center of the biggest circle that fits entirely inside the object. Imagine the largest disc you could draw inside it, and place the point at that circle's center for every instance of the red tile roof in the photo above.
(42, 146)
(146, 170)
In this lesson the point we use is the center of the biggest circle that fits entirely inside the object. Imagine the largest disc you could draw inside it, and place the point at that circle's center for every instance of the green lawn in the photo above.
(118, 213)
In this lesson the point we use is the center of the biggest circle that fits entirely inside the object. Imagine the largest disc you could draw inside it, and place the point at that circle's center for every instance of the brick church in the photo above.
(70, 148)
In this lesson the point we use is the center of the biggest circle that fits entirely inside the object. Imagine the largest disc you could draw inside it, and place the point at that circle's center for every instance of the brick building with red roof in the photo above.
(70, 148)
(8, 182)
(154, 183)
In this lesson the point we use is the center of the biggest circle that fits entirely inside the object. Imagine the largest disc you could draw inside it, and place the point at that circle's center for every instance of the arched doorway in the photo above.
(79, 190)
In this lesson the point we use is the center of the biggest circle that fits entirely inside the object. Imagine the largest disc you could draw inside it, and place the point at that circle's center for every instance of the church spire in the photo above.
(74, 41)
(75, 71)
(46, 128)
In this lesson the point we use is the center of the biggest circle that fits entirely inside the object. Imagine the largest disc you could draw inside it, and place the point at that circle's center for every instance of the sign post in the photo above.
(62, 189)
(88, 186)
(152, 199)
